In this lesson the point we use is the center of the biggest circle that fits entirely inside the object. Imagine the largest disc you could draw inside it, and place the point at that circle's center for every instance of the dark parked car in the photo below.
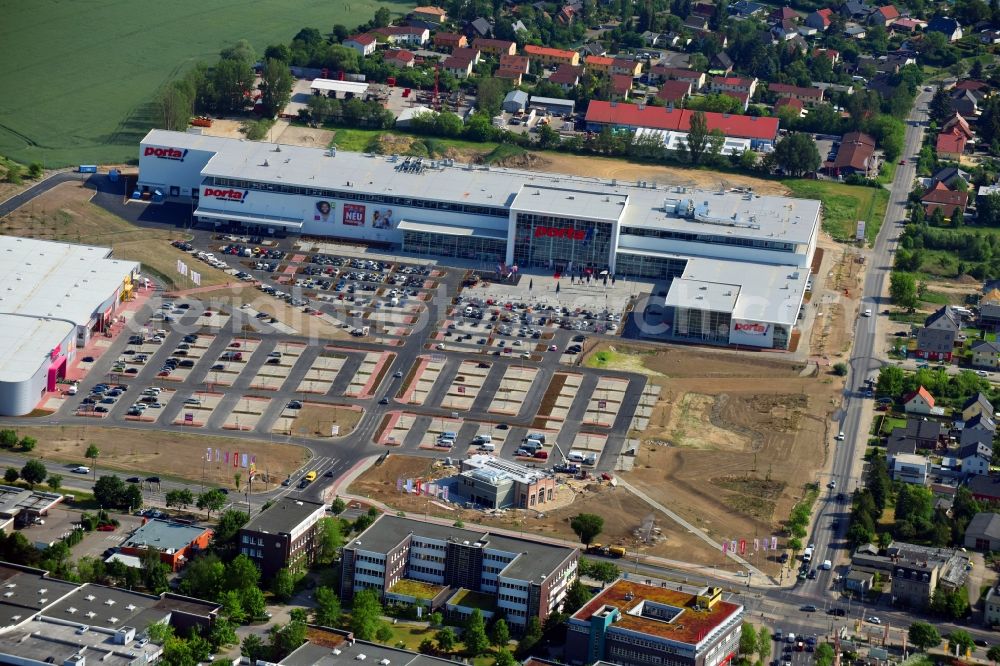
(133, 479)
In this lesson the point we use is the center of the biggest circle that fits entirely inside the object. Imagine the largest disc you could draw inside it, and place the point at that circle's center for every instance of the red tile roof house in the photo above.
(660, 73)
(790, 103)
(918, 402)
(742, 97)
(810, 97)
(460, 62)
(907, 25)
(855, 155)
(567, 76)
(448, 41)
(621, 85)
(733, 84)
(883, 16)
(674, 91)
(433, 14)
(399, 58)
(404, 34)
(832, 54)
(364, 44)
(761, 131)
(951, 145)
(949, 201)
(494, 47)
(512, 67)
(820, 19)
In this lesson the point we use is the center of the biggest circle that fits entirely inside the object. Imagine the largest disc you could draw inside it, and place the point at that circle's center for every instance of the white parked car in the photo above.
(81, 469)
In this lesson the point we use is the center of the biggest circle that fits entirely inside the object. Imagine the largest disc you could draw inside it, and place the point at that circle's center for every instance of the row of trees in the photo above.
(957, 388)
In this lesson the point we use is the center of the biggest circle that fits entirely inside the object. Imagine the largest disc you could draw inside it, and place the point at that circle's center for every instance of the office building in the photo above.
(283, 536)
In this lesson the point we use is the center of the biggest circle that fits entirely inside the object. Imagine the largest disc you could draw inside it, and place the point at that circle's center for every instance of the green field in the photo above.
(844, 205)
(78, 76)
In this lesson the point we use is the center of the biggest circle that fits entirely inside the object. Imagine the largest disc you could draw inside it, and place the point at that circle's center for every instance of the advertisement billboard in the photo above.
(354, 215)
(382, 219)
(754, 333)
(324, 211)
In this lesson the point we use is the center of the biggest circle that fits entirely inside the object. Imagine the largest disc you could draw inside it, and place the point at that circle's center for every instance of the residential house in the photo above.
(626, 66)
(856, 154)
(739, 84)
(599, 65)
(518, 27)
(859, 581)
(926, 434)
(947, 26)
(809, 97)
(449, 41)
(567, 76)
(983, 534)
(975, 458)
(907, 25)
(951, 144)
(512, 68)
(785, 30)
(898, 443)
(820, 19)
(746, 8)
(977, 405)
(985, 354)
(496, 48)
(989, 305)
(884, 15)
(660, 73)
(833, 55)
(919, 402)
(985, 488)
(936, 340)
(742, 97)
(856, 9)
(795, 105)
(176, 543)
(950, 202)
(460, 63)
(594, 48)
(432, 14)
(696, 23)
(981, 423)
(283, 536)
(910, 468)
(399, 58)
(479, 27)
(566, 14)
(991, 606)
(674, 91)
(516, 101)
(547, 57)
(989, 37)
(953, 177)
(966, 102)
(621, 86)
(364, 44)
(720, 64)
(404, 34)
(784, 14)
(855, 31)
(917, 571)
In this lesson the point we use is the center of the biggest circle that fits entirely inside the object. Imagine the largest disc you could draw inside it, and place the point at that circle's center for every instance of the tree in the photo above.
(603, 571)
(504, 658)
(253, 602)
(241, 574)
(993, 654)
(173, 107)
(203, 578)
(697, 139)
(11, 475)
(445, 639)
(797, 154)
(824, 654)
(14, 174)
(54, 482)
(231, 80)
(384, 633)
(587, 526)
(748, 640)
(840, 369)
(34, 472)
(890, 381)
(327, 610)
(283, 585)
(330, 541)
(924, 635)
(490, 92)
(212, 500)
(275, 86)
(577, 595)
(382, 17)
(230, 521)
(180, 497)
(109, 491)
(941, 106)
(366, 613)
(763, 644)
(8, 438)
(500, 634)
(232, 606)
(532, 634)
(35, 170)
(92, 454)
(474, 636)
(28, 443)
(253, 648)
(960, 639)
(337, 506)
(903, 289)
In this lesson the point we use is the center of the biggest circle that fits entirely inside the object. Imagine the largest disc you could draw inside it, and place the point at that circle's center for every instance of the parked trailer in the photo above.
(87, 168)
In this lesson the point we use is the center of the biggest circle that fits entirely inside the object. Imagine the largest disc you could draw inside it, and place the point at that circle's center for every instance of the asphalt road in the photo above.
(829, 541)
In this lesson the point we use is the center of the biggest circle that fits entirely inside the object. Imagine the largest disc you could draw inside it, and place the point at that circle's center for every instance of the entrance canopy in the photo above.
(451, 230)
(263, 220)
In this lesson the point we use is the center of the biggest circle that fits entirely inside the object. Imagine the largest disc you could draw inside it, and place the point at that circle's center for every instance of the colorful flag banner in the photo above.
(444, 493)
(756, 544)
(399, 484)
(245, 461)
(774, 543)
(743, 546)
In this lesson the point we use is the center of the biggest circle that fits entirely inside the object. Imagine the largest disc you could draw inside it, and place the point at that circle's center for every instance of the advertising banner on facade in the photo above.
(354, 215)
(382, 219)
(759, 334)
(324, 211)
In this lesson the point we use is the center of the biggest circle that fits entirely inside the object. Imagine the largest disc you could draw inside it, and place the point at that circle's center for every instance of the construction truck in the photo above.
(607, 551)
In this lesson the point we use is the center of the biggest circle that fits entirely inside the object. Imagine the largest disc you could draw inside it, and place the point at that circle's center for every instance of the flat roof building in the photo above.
(635, 624)
(458, 570)
(176, 542)
(56, 296)
(285, 535)
(495, 483)
(495, 215)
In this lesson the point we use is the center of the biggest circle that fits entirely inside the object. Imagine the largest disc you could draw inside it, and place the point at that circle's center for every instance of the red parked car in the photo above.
(105, 528)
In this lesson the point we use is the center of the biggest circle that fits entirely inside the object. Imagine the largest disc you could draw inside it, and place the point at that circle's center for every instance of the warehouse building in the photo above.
(491, 215)
(458, 570)
(495, 483)
(56, 297)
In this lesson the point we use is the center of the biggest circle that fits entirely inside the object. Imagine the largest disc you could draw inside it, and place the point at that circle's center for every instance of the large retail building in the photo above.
(55, 297)
(737, 262)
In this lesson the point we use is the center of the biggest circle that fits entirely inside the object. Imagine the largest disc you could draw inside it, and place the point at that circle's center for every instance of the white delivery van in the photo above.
(73, 388)
(576, 457)
(487, 448)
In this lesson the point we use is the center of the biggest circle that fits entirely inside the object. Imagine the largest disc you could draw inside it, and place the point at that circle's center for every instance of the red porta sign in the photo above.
(560, 232)
(354, 215)
(238, 196)
(752, 328)
(165, 153)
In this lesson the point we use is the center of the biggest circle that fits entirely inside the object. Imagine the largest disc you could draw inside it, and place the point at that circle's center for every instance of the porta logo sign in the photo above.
(175, 154)
(236, 196)
(563, 232)
(752, 328)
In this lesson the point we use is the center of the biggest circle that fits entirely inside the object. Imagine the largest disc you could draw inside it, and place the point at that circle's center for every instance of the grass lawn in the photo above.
(410, 636)
(79, 76)
(359, 140)
(416, 589)
(844, 205)
(888, 172)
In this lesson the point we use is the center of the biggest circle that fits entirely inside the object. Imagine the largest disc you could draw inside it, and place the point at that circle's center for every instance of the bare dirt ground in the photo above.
(166, 454)
(623, 513)
(732, 439)
(314, 420)
(837, 300)
(305, 136)
(224, 128)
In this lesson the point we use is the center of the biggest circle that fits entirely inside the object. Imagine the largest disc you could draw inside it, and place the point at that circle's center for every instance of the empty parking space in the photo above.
(196, 410)
(367, 379)
(279, 364)
(422, 378)
(246, 413)
(466, 386)
(605, 402)
(513, 389)
(397, 426)
(644, 410)
(322, 373)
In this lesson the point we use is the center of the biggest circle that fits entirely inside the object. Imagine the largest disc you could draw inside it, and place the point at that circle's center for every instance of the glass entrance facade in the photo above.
(549, 241)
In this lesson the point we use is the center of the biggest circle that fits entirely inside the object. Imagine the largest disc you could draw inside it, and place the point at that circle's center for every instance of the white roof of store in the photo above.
(451, 229)
(570, 203)
(778, 218)
(750, 292)
(356, 87)
(57, 280)
(25, 344)
(225, 215)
